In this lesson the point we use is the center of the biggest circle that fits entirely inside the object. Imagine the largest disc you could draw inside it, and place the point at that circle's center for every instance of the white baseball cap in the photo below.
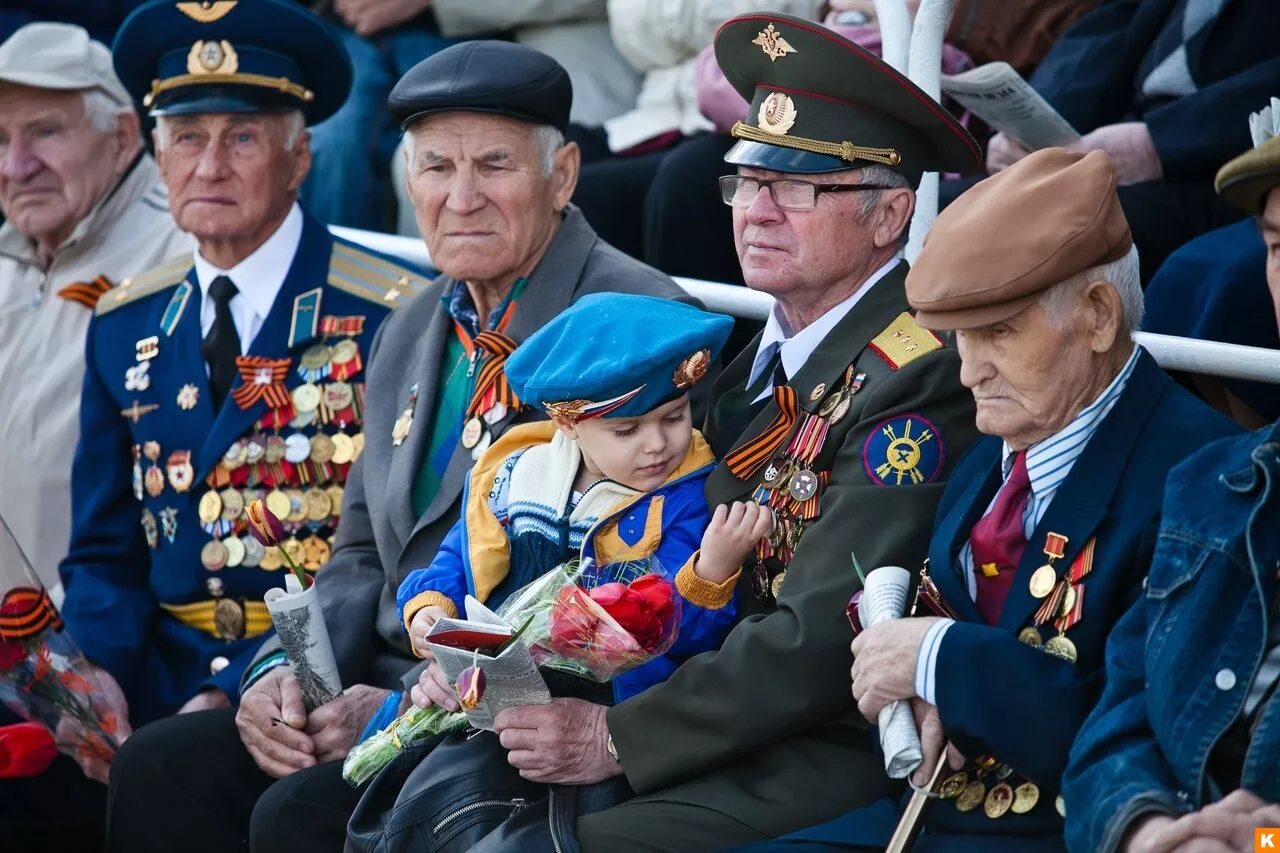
(60, 56)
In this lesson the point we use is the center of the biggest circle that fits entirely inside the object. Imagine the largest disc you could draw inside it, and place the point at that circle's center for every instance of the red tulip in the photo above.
(26, 749)
(470, 687)
(264, 525)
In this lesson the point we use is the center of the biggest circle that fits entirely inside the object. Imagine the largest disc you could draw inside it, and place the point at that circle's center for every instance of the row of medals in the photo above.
(792, 489)
(997, 801)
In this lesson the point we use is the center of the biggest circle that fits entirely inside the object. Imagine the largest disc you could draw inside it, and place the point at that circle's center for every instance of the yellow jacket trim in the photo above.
(702, 592)
(610, 547)
(430, 598)
(200, 615)
(904, 340)
(166, 274)
(372, 278)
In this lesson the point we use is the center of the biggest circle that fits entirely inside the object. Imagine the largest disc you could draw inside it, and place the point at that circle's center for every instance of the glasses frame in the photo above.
(767, 184)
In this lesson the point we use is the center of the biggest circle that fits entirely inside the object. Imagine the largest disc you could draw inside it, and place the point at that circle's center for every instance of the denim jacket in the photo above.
(1181, 662)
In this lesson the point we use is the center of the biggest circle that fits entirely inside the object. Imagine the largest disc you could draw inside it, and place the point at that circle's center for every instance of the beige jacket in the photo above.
(662, 38)
(573, 32)
(42, 353)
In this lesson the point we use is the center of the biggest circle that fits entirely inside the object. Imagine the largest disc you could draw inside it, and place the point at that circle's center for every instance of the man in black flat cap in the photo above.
(490, 176)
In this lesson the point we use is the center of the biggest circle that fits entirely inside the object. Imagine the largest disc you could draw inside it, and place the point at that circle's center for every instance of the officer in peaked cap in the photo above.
(222, 376)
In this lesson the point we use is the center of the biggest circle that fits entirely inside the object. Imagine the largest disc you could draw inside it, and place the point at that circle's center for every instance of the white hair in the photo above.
(294, 124)
(102, 111)
(548, 140)
(868, 199)
(1122, 274)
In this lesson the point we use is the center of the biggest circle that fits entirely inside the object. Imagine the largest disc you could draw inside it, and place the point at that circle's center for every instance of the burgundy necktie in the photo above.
(997, 541)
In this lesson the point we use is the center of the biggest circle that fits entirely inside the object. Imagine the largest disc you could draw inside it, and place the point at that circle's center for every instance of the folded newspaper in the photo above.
(998, 95)
(884, 596)
(511, 677)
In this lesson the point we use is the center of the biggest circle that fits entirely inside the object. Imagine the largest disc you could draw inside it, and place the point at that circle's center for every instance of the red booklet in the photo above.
(471, 638)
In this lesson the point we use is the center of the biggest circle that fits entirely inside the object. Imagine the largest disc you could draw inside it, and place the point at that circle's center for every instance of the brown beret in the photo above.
(1245, 181)
(995, 249)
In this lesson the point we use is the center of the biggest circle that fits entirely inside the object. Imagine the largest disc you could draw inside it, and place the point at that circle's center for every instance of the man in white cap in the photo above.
(84, 209)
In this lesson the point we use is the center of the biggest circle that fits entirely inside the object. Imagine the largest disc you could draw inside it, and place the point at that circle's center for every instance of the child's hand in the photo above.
(420, 624)
(730, 538)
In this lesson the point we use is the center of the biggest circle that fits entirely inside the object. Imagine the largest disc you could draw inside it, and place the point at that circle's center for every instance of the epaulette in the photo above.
(165, 274)
(373, 278)
(904, 340)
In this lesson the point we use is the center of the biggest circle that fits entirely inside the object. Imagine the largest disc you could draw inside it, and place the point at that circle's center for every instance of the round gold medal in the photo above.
(971, 797)
(471, 432)
(954, 785)
(306, 398)
(209, 509)
(278, 502)
(315, 358)
(999, 801)
(315, 553)
(321, 448)
(775, 585)
(228, 619)
(233, 458)
(335, 500)
(1030, 636)
(357, 441)
(271, 560)
(232, 504)
(344, 351)
(829, 405)
(213, 556)
(344, 449)
(1043, 581)
(1062, 647)
(294, 549)
(235, 551)
(319, 507)
(338, 396)
(1025, 797)
(255, 449)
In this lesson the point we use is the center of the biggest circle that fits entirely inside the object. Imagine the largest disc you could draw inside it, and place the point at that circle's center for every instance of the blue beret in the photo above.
(616, 355)
(487, 77)
(232, 56)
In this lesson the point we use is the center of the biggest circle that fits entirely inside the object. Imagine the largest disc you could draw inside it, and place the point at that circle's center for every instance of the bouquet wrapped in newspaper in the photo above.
(44, 677)
(579, 619)
(884, 596)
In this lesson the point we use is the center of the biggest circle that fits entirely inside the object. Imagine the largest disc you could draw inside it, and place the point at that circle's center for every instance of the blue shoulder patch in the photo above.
(904, 451)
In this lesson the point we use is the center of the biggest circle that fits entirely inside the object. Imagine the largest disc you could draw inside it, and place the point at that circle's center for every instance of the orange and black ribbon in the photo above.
(263, 379)
(746, 460)
(491, 386)
(87, 293)
(25, 612)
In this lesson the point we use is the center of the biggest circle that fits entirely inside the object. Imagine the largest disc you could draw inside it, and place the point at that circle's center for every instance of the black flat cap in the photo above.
(485, 77)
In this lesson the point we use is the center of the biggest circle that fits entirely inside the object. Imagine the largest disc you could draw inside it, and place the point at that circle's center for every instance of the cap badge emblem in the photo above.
(212, 57)
(777, 114)
(773, 44)
(206, 11)
(692, 369)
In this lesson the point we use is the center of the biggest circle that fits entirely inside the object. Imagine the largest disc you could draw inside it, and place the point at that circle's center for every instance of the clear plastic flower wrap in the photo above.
(372, 754)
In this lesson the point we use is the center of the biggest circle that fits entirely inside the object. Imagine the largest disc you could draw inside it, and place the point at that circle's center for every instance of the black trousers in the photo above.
(59, 811)
(187, 783)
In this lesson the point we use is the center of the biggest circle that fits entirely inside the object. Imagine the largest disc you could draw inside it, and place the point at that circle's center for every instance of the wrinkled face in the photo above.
(639, 452)
(787, 252)
(229, 175)
(1029, 378)
(483, 203)
(1270, 227)
(54, 164)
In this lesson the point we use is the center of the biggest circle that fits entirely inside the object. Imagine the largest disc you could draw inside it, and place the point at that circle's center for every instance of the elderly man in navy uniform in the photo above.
(1045, 531)
(845, 416)
(216, 379)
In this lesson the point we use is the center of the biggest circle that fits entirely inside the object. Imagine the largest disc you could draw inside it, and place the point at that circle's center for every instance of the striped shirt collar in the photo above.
(1050, 461)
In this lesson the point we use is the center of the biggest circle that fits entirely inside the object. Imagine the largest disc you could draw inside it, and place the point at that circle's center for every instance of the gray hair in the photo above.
(547, 139)
(867, 200)
(1122, 274)
(294, 124)
(102, 111)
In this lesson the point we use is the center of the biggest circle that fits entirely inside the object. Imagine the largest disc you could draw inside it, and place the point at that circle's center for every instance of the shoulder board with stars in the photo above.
(904, 340)
(371, 277)
(166, 274)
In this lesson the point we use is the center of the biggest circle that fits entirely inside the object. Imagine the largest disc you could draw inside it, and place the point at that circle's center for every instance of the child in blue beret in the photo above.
(616, 475)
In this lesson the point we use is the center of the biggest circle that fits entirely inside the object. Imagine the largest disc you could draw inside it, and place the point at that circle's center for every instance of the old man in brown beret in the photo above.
(1045, 528)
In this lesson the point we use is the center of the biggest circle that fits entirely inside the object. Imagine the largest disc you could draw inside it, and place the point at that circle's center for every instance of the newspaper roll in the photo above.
(299, 623)
(884, 597)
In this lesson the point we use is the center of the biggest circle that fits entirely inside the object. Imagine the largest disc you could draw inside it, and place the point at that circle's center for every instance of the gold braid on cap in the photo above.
(846, 150)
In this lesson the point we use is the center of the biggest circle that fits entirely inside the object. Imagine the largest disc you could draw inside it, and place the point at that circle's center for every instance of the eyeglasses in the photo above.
(788, 193)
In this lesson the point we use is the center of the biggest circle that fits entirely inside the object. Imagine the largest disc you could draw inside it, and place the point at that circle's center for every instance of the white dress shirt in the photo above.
(258, 278)
(798, 346)
(1048, 464)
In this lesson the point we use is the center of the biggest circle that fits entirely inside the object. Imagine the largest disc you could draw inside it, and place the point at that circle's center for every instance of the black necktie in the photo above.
(737, 410)
(221, 346)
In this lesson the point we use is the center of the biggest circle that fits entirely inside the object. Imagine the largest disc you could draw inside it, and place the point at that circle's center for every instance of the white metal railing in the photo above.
(1209, 358)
